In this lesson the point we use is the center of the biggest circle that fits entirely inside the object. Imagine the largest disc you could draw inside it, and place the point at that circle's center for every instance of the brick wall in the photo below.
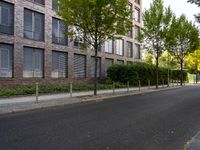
(19, 42)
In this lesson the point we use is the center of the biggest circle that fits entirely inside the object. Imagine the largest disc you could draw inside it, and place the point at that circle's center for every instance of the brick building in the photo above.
(33, 47)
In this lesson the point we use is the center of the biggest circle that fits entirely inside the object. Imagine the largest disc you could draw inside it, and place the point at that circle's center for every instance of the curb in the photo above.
(31, 106)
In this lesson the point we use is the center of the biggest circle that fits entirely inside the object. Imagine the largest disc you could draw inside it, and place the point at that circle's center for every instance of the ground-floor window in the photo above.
(108, 63)
(79, 67)
(93, 67)
(59, 64)
(33, 66)
(6, 61)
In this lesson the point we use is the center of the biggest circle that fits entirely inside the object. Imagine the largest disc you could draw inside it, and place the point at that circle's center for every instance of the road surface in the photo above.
(164, 120)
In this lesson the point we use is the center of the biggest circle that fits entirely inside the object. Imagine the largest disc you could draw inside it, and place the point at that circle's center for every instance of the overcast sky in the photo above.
(179, 7)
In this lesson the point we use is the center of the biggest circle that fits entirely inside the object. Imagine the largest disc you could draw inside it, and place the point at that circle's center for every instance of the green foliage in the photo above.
(149, 58)
(141, 71)
(182, 38)
(197, 2)
(96, 21)
(51, 89)
(122, 73)
(156, 22)
(192, 61)
(176, 75)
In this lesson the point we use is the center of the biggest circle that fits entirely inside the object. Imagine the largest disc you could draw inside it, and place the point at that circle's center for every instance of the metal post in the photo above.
(163, 83)
(139, 85)
(71, 89)
(36, 92)
(113, 88)
(128, 86)
(149, 83)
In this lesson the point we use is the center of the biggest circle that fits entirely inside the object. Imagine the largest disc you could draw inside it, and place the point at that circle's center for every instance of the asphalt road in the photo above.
(163, 120)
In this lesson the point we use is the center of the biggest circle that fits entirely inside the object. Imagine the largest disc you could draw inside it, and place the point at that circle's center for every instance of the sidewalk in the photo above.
(17, 104)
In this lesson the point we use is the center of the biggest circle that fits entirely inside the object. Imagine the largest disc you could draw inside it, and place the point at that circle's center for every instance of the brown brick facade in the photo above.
(19, 42)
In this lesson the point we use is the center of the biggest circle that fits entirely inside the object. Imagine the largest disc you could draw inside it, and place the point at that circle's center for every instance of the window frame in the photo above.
(57, 54)
(33, 25)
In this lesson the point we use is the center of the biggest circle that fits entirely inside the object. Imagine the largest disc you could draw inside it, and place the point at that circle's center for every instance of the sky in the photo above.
(178, 7)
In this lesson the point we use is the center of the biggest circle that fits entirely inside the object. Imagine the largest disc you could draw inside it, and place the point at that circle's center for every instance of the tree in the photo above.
(192, 62)
(182, 38)
(96, 21)
(156, 23)
(149, 59)
(197, 2)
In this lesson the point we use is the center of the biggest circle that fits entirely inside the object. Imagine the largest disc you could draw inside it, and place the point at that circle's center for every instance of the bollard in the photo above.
(128, 86)
(162, 83)
(149, 83)
(71, 89)
(139, 85)
(113, 88)
(36, 92)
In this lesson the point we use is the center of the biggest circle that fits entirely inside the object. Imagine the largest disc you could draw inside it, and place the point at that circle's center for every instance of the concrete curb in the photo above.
(194, 143)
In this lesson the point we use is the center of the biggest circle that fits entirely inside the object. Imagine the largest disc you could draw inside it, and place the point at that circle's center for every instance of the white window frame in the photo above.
(3, 49)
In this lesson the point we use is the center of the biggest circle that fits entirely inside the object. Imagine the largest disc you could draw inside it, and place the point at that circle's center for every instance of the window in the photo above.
(6, 61)
(109, 46)
(137, 14)
(6, 18)
(137, 51)
(79, 69)
(137, 32)
(137, 1)
(79, 39)
(58, 32)
(59, 64)
(108, 63)
(33, 25)
(129, 62)
(33, 63)
(130, 7)
(93, 67)
(120, 47)
(39, 1)
(120, 62)
(54, 5)
(129, 49)
(130, 33)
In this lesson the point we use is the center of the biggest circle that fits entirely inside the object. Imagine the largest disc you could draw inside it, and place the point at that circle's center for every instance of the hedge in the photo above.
(143, 72)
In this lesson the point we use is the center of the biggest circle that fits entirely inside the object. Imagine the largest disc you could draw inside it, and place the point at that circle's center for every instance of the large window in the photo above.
(93, 67)
(137, 14)
(108, 63)
(33, 25)
(39, 1)
(58, 32)
(6, 18)
(54, 5)
(120, 47)
(6, 61)
(79, 70)
(33, 63)
(129, 49)
(109, 46)
(121, 62)
(79, 39)
(137, 1)
(59, 64)
(137, 51)
(137, 32)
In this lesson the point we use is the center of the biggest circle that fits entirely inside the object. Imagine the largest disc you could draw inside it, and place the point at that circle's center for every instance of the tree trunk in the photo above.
(157, 71)
(95, 68)
(181, 72)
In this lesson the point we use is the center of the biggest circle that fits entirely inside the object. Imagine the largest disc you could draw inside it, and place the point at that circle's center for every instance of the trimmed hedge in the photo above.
(143, 72)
